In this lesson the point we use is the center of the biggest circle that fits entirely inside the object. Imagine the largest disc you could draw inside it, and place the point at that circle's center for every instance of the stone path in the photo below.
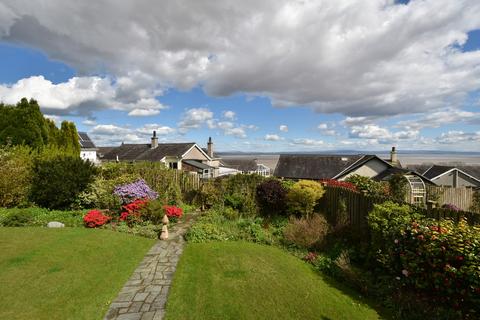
(144, 295)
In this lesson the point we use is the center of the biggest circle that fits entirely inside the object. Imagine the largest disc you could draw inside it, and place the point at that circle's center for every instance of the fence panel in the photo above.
(460, 197)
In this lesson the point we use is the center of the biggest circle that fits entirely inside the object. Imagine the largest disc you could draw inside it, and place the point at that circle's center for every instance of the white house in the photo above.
(88, 150)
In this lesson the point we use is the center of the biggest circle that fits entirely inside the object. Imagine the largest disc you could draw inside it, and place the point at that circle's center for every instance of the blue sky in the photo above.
(291, 85)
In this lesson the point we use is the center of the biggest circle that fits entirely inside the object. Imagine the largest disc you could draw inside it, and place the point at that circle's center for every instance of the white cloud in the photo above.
(381, 135)
(54, 118)
(283, 128)
(82, 95)
(308, 142)
(109, 129)
(230, 115)
(273, 137)
(195, 118)
(379, 58)
(143, 112)
(326, 129)
(440, 118)
(89, 122)
(148, 129)
(457, 137)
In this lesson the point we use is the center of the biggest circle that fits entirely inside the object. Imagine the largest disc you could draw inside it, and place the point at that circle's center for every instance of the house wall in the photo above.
(168, 160)
(90, 155)
(370, 169)
(195, 154)
(461, 181)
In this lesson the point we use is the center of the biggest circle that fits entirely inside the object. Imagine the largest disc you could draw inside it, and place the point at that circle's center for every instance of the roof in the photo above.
(435, 171)
(144, 152)
(315, 166)
(386, 174)
(244, 165)
(104, 150)
(85, 141)
(197, 164)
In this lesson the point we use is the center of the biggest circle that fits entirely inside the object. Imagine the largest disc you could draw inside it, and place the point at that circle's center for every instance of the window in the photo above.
(173, 165)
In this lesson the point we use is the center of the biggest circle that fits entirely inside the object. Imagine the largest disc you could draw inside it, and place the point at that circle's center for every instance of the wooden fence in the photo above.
(460, 197)
(187, 181)
(357, 206)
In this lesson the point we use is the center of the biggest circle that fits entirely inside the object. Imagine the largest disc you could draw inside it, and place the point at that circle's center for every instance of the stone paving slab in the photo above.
(144, 295)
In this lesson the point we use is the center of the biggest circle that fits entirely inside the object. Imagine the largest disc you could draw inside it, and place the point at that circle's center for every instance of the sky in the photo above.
(265, 76)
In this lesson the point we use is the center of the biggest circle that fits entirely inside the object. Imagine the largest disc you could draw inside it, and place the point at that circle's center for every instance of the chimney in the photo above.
(210, 147)
(393, 156)
(154, 140)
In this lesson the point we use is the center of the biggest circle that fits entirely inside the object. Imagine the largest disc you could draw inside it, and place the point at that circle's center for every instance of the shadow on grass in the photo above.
(354, 295)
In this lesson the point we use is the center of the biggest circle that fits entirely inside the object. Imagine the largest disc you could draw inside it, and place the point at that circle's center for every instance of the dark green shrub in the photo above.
(368, 186)
(438, 259)
(57, 182)
(209, 195)
(306, 232)
(18, 218)
(239, 192)
(153, 211)
(271, 197)
(303, 196)
(397, 186)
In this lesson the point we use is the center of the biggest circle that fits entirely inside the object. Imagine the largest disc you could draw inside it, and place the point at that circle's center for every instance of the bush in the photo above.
(132, 212)
(368, 186)
(57, 182)
(15, 175)
(306, 232)
(100, 194)
(339, 184)
(18, 219)
(95, 218)
(271, 195)
(173, 212)
(136, 190)
(153, 211)
(40, 216)
(239, 192)
(144, 229)
(438, 259)
(398, 185)
(209, 195)
(303, 196)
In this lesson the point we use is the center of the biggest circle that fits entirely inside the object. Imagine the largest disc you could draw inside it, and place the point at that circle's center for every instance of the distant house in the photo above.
(464, 176)
(181, 156)
(244, 165)
(88, 150)
(340, 167)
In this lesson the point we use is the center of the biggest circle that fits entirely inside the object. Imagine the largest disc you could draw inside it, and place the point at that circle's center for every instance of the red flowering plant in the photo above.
(131, 213)
(440, 259)
(339, 184)
(95, 218)
(173, 212)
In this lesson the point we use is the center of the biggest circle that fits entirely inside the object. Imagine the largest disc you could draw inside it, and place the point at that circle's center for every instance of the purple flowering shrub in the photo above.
(135, 190)
(450, 206)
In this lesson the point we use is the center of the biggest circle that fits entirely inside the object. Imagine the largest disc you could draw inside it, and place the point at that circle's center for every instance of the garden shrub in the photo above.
(136, 190)
(239, 192)
(131, 212)
(306, 232)
(18, 219)
(397, 186)
(303, 196)
(57, 182)
(438, 259)
(144, 229)
(100, 194)
(173, 212)
(41, 216)
(209, 195)
(95, 218)
(271, 195)
(339, 184)
(15, 175)
(153, 211)
(475, 207)
(368, 186)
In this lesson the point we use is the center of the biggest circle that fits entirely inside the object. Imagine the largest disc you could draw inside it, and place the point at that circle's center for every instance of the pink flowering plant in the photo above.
(440, 259)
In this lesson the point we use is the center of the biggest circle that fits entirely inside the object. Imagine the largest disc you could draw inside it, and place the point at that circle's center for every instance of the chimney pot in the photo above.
(210, 147)
(154, 140)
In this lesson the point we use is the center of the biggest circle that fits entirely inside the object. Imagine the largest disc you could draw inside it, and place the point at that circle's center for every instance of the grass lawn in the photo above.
(68, 273)
(238, 280)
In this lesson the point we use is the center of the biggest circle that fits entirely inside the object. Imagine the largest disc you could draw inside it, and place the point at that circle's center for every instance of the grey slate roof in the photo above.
(197, 164)
(315, 167)
(385, 175)
(244, 165)
(85, 141)
(143, 152)
(436, 170)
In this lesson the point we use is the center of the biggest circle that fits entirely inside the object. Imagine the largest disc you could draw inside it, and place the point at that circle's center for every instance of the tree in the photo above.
(303, 196)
